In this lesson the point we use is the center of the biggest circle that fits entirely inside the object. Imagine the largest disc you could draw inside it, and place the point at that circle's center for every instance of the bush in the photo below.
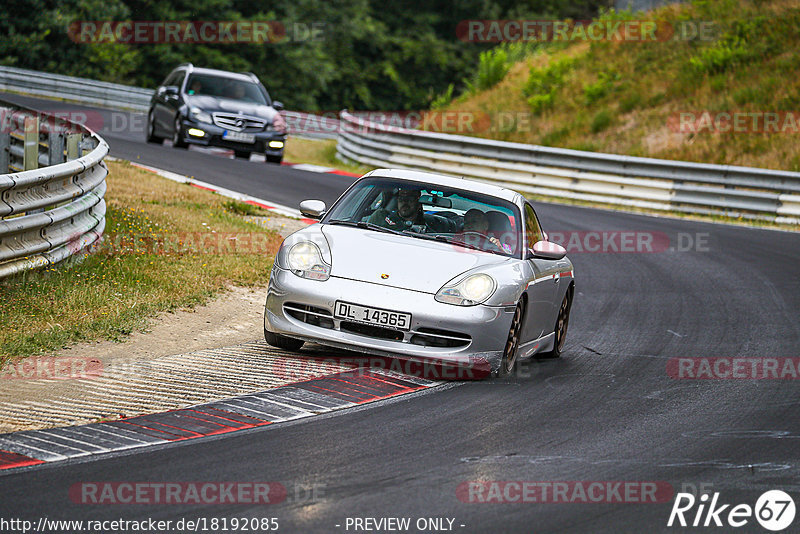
(630, 103)
(593, 92)
(444, 99)
(554, 137)
(601, 121)
(746, 40)
(493, 66)
(543, 84)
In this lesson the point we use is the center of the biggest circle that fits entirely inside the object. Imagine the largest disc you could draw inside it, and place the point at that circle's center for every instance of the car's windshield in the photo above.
(427, 211)
(221, 87)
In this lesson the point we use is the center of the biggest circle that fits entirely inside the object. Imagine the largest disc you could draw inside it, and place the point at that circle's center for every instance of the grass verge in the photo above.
(319, 152)
(166, 246)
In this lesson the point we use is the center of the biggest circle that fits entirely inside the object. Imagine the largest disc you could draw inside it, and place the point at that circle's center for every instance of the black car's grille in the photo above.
(238, 123)
(434, 337)
(309, 314)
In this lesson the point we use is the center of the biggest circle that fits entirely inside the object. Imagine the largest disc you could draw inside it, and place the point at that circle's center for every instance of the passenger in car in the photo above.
(409, 215)
(477, 221)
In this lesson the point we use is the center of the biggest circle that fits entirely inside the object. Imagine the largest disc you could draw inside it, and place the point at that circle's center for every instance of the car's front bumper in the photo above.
(212, 136)
(479, 332)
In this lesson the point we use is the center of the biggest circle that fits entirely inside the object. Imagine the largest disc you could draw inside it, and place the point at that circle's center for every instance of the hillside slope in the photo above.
(730, 95)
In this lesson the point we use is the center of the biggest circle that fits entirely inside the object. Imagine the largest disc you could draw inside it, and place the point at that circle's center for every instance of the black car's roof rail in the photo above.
(188, 65)
(253, 76)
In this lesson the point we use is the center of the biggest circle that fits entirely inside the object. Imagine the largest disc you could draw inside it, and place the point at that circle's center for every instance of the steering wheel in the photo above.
(485, 238)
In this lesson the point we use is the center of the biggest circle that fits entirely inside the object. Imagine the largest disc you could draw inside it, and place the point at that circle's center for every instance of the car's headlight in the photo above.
(200, 115)
(472, 290)
(305, 260)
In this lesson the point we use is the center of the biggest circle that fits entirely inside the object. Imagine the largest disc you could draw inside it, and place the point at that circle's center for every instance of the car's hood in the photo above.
(409, 262)
(214, 104)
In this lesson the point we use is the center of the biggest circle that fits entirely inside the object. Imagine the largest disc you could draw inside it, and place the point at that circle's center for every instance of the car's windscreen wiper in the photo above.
(365, 225)
(459, 242)
(443, 238)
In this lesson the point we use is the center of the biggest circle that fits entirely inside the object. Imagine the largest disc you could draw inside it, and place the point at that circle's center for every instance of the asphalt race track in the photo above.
(608, 410)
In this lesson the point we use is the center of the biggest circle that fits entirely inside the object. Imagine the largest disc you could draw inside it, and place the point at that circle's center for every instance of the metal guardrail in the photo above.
(52, 189)
(81, 90)
(126, 97)
(553, 172)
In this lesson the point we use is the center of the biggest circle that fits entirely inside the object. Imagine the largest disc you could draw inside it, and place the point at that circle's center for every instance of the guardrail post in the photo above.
(55, 148)
(73, 141)
(31, 144)
(5, 144)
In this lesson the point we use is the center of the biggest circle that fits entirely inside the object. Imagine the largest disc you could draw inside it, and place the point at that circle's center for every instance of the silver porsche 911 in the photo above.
(423, 266)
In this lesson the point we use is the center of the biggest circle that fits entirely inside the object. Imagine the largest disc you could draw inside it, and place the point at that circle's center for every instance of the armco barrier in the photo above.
(51, 200)
(553, 172)
(126, 97)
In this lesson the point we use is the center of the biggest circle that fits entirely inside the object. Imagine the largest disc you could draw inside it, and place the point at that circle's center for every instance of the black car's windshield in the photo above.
(221, 87)
(425, 211)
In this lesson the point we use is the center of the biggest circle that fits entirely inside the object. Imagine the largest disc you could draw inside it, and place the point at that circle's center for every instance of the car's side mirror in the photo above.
(547, 250)
(312, 208)
(171, 90)
(277, 106)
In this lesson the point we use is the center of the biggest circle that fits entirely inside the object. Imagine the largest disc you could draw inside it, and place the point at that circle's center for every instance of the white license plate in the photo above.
(376, 316)
(239, 136)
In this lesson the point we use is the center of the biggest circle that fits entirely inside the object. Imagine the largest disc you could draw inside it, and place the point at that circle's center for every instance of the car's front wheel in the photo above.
(151, 129)
(274, 159)
(560, 330)
(512, 343)
(282, 342)
(177, 135)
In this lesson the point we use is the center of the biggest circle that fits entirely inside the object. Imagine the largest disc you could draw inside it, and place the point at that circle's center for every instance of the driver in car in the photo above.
(409, 215)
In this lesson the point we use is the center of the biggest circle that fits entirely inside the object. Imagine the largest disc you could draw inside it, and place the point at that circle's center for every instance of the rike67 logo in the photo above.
(774, 510)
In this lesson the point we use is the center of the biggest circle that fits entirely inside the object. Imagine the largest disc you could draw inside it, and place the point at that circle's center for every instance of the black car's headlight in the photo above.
(305, 260)
(469, 291)
(200, 115)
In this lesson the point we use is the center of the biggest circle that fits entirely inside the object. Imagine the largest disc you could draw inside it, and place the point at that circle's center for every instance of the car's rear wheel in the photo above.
(243, 154)
(560, 330)
(151, 130)
(177, 135)
(274, 159)
(282, 342)
(512, 343)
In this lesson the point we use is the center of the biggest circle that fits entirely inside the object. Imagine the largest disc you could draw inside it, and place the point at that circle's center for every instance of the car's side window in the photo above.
(533, 231)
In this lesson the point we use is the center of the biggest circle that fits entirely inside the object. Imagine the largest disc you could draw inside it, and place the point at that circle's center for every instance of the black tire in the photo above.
(282, 342)
(512, 343)
(243, 154)
(560, 328)
(177, 134)
(275, 159)
(150, 132)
